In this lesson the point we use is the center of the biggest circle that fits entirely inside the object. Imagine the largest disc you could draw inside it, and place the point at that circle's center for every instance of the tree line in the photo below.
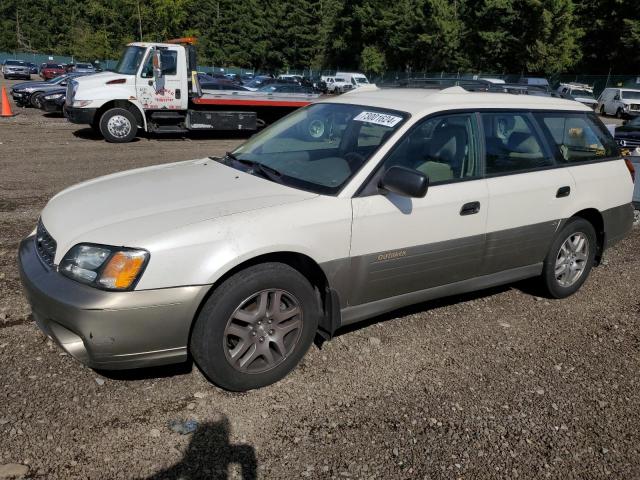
(501, 36)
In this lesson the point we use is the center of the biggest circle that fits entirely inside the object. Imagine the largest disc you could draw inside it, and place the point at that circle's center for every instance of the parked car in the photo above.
(290, 77)
(261, 81)
(531, 81)
(337, 84)
(209, 83)
(621, 102)
(628, 138)
(84, 68)
(322, 220)
(286, 88)
(24, 92)
(16, 69)
(52, 70)
(33, 68)
(580, 93)
(356, 79)
(53, 101)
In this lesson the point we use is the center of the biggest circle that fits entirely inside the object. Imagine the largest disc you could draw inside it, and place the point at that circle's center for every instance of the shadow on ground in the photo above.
(210, 456)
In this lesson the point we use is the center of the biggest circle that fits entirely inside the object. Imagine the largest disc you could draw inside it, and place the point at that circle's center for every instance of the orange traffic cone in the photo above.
(6, 106)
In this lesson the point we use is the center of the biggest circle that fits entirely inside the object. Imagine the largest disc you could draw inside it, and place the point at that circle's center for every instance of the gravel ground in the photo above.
(498, 384)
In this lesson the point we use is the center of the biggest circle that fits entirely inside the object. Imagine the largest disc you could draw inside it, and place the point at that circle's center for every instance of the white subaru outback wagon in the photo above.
(339, 212)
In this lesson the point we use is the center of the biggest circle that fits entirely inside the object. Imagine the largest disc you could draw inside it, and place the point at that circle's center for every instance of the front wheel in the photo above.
(118, 125)
(255, 327)
(570, 258)
(602, 112)
(36, 100)
(619, 114)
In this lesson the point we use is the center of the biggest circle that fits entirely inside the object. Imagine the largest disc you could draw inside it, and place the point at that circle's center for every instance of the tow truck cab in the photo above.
(154, 87)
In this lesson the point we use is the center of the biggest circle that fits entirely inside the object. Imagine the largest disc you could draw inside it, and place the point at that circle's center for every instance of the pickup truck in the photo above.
(154, 88)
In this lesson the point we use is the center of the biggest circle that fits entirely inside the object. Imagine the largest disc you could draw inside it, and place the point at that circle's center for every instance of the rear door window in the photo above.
(512, 144)
(579, 137)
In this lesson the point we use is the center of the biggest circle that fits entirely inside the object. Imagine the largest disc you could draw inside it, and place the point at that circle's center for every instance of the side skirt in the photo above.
(367, 310)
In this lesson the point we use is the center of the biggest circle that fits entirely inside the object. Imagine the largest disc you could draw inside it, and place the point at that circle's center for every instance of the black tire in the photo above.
(552, 285)
(209, 347)
(125, 128)
(619, 114)
(602, 112)
(35, 100)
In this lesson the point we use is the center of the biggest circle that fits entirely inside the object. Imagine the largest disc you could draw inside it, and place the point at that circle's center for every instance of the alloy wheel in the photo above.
(263, 331)
(571, 260)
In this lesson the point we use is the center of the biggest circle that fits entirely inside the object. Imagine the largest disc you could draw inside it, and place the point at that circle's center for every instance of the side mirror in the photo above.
(405, 181)
(157, 64)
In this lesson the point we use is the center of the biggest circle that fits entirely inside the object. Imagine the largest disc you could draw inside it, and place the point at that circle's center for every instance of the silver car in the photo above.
(16, 69)
(84, 68)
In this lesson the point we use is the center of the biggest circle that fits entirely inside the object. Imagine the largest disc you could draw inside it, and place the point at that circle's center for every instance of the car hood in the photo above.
(135, 207)
(22, 85)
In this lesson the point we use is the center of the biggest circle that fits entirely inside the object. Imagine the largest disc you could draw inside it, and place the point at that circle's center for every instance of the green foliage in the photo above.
(503, 36)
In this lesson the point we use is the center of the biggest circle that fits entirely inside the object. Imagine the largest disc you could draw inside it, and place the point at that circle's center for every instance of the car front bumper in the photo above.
(109, 330)
(83, 116)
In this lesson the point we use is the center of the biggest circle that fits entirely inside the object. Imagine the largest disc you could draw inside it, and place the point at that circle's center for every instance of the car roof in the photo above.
(417, 101)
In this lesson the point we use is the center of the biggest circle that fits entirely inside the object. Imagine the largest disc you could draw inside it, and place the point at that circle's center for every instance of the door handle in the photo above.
(470, 208)
(563, 192)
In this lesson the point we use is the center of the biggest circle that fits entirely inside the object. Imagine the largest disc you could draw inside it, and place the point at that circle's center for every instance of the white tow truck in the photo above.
(154, 88)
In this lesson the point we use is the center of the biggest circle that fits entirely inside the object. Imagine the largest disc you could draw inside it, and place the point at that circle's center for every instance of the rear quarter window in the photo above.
(579, 137)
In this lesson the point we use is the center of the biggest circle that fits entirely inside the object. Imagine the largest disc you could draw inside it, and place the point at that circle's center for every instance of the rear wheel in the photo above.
(118, 125)
(255, 327)
(570, 258)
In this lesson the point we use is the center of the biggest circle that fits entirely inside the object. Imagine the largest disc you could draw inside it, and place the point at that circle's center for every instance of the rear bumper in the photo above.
(83, 116)
(109, 330)
(618, 222)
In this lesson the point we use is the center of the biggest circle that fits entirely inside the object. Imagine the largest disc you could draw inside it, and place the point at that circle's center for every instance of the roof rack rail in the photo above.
(474, 85)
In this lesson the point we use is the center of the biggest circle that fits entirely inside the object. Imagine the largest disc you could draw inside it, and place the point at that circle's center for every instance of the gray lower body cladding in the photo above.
(110, 330)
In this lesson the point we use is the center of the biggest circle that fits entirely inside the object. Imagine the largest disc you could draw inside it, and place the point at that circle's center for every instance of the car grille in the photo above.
(634, 106)
(45, 245)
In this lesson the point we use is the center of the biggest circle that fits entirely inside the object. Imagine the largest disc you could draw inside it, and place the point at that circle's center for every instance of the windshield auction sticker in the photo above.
(378, 118)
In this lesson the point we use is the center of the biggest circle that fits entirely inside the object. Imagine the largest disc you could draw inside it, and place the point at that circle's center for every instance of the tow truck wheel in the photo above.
(118, 125)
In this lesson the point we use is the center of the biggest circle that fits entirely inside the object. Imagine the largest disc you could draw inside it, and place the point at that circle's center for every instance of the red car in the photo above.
(52, 70)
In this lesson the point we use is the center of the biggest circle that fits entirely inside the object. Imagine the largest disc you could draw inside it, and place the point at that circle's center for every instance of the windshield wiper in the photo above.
(265, 171)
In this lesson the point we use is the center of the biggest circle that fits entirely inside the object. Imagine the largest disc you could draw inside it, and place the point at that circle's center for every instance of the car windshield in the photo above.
(83, 65)
(130, 60)
(635, 122)
(14, 62)
(339, 79)
(631, 94)
(582, 93)
(53, 65)
(317, 148)
(362, 80)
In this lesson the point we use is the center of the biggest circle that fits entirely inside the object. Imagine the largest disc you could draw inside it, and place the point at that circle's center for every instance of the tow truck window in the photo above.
(130, 60)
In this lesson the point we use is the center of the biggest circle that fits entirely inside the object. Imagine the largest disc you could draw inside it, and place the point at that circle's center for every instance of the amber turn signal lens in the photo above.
(123, 269)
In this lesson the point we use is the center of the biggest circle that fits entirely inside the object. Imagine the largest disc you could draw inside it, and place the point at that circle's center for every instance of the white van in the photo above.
(339, 212)
(356, 79)
(621, 102)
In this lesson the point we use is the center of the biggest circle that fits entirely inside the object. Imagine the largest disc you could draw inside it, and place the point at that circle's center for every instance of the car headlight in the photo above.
(81, 103)
(105, 267)
(626, 106)
(54, 96)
